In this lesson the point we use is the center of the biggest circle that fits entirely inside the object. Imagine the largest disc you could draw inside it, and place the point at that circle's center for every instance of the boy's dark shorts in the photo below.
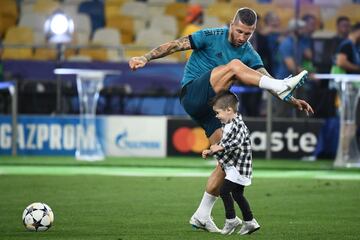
(195, 98)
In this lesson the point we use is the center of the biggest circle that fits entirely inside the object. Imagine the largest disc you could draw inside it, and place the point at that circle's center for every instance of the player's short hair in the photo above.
(246, 15)
(225, 99)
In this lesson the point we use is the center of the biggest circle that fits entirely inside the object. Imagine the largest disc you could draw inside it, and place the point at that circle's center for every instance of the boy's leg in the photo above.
(250, 224)
(232, 222)
(238, 195)
(228, 201)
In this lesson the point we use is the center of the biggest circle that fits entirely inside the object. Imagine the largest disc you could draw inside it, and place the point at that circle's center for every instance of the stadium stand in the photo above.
(18, 43)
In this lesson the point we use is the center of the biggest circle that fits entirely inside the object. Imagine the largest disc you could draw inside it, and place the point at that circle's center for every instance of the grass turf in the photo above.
(120, 208)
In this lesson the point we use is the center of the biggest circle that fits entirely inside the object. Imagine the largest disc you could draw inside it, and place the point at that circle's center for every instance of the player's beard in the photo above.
(234, 42)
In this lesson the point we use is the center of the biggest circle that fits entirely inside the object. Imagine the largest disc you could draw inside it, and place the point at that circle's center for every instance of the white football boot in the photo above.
(231, 225)
(206, 224)
(292, 83)
(249, 227)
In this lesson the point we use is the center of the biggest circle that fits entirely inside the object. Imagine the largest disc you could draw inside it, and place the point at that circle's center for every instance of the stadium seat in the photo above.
(211, 21)
(203, 3)
(15, 36)
(112, 7)
(151, 37)
(105, 45)
(46, 7)
(284, 3)
(107, 37)
(26, 7)
(139, 12)
(223, 11)
(160, 2)
(34, 21)
(125, 25)
(136, 9)
(95, 10)
(178, 10)
(74, 2)
(69, 9)
(8, 13)
(45, 53)
(82, 29)
(167, 24)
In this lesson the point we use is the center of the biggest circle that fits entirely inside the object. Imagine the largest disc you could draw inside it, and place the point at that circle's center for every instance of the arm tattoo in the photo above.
(168, 48)
(264, 72)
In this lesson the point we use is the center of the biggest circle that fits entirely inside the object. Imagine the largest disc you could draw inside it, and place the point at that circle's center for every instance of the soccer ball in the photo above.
(38, 217)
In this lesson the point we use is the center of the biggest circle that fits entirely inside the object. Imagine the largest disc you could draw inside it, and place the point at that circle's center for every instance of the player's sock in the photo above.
(206, 205)
(268, 83)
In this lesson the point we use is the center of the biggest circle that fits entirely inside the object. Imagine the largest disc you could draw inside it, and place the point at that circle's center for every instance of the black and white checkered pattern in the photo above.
(237, 147)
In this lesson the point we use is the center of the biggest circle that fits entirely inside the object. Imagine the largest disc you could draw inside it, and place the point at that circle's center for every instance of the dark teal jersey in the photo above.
(212, 48)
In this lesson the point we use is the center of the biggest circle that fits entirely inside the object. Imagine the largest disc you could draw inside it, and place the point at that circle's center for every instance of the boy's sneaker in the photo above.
(207, 224)
(231, 225)
(249, 227)
(291, 84)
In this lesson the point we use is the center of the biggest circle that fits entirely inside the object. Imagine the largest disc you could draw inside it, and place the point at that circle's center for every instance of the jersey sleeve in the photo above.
(253, 59)
(197, 39)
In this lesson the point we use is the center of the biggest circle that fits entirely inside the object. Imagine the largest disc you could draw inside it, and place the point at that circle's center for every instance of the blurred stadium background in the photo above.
(152, 176)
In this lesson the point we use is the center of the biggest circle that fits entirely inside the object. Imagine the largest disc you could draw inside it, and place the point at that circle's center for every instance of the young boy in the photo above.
(233, 153)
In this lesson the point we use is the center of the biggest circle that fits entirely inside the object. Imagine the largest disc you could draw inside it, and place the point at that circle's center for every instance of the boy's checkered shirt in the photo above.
(237, 147)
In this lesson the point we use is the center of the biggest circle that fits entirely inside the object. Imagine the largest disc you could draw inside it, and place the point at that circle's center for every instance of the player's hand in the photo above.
(302, 105)
(206, 153)
(137, 62)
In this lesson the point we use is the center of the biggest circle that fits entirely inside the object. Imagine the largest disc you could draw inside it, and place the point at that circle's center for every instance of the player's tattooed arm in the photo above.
(168, 48)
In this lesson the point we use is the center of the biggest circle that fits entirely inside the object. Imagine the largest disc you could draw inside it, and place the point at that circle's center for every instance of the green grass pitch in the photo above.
(290, 199)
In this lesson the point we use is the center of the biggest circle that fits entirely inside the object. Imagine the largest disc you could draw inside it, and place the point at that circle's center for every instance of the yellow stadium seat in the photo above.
(135, 51)
(8, 15)
(44, 53)
(112, 7)
(9, 8)
(18, 36)
(96, 53)
(45, 6)
(224, 11)
(125, 25)
(178, 10)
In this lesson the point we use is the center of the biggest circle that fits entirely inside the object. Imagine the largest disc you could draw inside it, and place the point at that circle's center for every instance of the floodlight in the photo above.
(59, 28)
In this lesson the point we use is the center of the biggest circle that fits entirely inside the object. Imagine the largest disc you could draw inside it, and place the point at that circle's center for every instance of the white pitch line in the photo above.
(171, 172)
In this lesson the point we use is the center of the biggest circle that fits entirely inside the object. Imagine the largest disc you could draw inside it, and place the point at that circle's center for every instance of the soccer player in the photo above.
(221, 57)
(233, 154)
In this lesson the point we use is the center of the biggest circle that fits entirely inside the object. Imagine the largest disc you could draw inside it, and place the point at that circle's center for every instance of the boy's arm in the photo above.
(163, 50)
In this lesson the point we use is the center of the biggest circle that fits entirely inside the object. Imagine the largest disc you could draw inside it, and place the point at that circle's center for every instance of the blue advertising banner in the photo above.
(45, 135)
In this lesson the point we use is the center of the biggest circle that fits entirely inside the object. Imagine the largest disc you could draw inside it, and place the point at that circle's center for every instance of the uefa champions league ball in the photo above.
(38, 217)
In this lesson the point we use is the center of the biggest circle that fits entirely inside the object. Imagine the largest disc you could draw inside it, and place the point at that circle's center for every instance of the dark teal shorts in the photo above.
(195, 98)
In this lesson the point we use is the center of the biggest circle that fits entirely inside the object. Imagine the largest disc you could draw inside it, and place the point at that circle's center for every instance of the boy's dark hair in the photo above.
(245, 15)
(225, 99)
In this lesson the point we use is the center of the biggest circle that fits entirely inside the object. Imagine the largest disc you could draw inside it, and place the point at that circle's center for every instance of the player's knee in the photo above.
(235, 64)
